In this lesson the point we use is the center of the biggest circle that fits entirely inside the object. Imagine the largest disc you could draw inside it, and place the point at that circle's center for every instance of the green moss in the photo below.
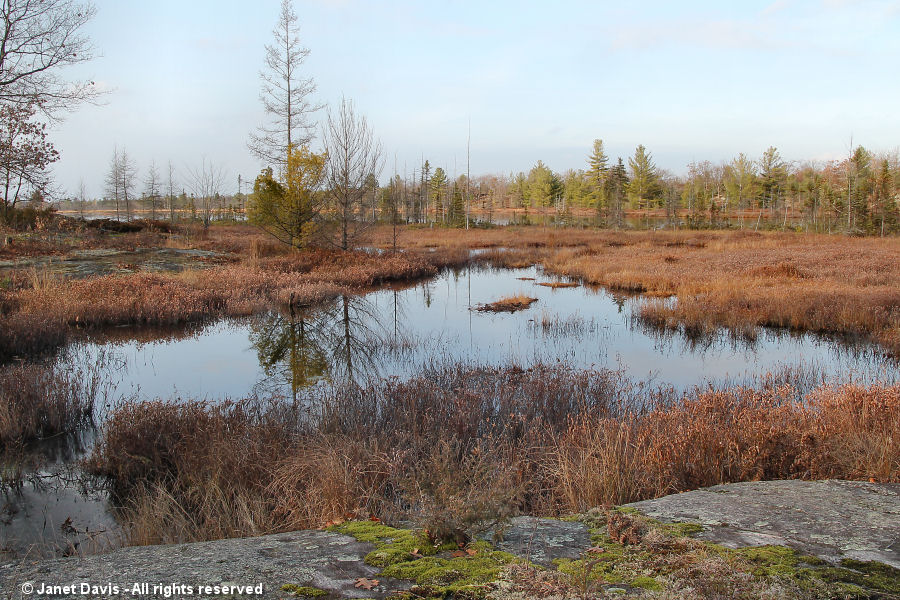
(647, 583)
(627, 510)
(463, 575)
(303, 591)
(872, 575)
(436, 573)
(392, 545)
(767, 561)
(681, 529)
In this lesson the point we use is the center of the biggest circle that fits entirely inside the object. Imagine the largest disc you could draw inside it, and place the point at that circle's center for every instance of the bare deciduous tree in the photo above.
(120, 181)
(39, 39)
(205, 181)
(151, 188)
(170, 188)
(285, 95)
(127, 175)
(354, 156)
(82, 196)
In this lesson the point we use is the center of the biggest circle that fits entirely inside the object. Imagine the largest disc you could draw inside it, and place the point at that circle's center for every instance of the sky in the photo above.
(534, 81)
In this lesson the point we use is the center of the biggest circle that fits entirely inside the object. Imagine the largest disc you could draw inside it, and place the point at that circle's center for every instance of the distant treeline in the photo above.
(858, 195)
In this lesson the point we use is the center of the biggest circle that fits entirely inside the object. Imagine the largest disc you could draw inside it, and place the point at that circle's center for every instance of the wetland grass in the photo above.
(458, 446)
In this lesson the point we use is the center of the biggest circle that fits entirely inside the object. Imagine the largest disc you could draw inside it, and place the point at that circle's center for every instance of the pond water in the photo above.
(396, 332)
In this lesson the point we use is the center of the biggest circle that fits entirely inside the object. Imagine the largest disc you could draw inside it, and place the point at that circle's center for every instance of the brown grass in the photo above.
(458, 446)
(41, 317)
(39, 402)
(558, 284)
(508, 304)
(739, 280)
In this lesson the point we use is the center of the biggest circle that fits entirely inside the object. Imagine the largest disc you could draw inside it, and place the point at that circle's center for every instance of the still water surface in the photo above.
(394, 332)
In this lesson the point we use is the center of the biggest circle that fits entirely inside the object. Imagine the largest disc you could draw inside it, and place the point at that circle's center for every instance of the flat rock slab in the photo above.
(830, 519)
(541, 540)
(324, 560)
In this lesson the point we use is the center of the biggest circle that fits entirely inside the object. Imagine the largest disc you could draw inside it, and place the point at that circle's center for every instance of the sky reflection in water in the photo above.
(394, 332)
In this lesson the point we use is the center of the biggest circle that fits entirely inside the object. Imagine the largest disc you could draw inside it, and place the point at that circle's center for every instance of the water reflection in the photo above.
(47, 506)
(395, 331)
(340, 341)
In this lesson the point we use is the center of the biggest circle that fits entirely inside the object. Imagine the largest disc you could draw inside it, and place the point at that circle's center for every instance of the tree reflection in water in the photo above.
(339, 341)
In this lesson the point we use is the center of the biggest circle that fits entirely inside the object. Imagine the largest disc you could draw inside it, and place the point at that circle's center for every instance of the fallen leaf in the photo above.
(374, 519)
(471, 551)
(366, 584)
(415, 553)
(457, 553)
(596, 549)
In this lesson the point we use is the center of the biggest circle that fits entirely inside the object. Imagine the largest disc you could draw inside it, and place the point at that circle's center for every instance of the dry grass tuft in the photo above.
(558, 284)
(508, 304)
(39, 402)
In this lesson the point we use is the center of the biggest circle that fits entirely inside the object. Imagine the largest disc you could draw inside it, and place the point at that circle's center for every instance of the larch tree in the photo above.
(353, 155)
(127, 174)
(152, 184)
(170, 190)
(113, 182)
(286, 95)
(290, 211)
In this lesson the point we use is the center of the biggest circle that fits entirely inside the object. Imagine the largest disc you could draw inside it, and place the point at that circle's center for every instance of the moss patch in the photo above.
(873, 575)
(407, 554)
(303, 591)
(666, 557)
(392, 545)
(681, 529)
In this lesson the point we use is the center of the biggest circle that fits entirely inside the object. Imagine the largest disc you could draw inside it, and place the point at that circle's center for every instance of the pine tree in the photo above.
(457, 213)
(597, 174)
(616, 185)
(861, 185)
(644, 184)
(439, 193)
(772, 178)
(885, 203)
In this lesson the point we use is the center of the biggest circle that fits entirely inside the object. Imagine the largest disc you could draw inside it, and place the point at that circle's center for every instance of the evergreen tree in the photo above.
(616, 186)
(861, 185)
(598, 170)
(439, 194)
(885, 203)
(456, 216)
(772, 179)
(740, 182)
(644, 185)
(544, 186)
